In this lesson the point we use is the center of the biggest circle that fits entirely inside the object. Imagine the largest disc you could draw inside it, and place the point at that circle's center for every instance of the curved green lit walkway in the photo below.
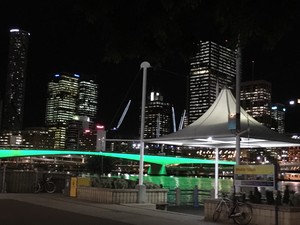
(163, 160)
(154, 160)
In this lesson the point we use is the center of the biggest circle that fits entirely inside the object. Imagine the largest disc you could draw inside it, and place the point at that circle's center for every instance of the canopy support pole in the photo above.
(216, 172)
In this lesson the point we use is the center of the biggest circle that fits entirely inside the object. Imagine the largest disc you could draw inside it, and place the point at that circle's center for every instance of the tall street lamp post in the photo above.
(141, 187)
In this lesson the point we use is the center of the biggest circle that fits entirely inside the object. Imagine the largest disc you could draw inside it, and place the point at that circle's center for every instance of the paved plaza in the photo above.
(50, 209)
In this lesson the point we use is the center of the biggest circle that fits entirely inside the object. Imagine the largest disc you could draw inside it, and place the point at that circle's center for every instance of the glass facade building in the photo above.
(61, 105)
(256, 100)
(13, 108)
(213, 67)
(69, 97)
(158, 116)
(278, 115)
(88, 99)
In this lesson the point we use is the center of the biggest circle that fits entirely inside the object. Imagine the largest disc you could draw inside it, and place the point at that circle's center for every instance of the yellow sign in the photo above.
(254, 175)
(254, 169)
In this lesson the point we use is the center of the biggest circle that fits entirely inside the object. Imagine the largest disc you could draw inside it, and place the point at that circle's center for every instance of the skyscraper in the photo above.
(88, 99)
(157, 116)
(61, 105)
(69, 98)
(278, 115)
(213, 67)
(13, 108)
(256, 100)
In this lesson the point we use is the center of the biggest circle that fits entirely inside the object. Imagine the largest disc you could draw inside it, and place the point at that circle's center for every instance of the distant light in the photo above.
(76, 75)
(274, 107)
(100, 127)
(152, 96)
(14, 30)
(87, 131)
(56, 75)
(298, 101)
(292, 102)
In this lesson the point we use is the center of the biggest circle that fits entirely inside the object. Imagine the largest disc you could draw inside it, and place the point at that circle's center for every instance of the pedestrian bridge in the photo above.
(153, 159)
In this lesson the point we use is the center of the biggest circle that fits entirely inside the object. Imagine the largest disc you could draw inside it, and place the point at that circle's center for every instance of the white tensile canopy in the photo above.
(213, 130)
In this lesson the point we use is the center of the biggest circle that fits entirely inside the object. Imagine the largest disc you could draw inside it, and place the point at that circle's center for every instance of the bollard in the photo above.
(195, 197)
(177, 196)
(212, 193)
(4, 179)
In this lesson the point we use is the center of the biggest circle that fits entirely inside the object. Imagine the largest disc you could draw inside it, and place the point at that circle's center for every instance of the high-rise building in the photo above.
(278, 116)
(13, 108)
(70, 97)
(213, 67)
(77, 130)
(256, 100)
(158, 116)
(61, 105)
(292, 123)
(88, 99)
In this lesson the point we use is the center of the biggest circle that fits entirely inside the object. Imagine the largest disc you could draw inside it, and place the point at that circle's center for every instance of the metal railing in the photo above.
(194, 197)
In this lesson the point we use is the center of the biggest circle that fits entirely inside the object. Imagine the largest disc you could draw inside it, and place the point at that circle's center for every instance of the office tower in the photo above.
(292, 122)
(71, 102)
(256, 100)
(78, 129)
(88, 99)
(13, 108)
(278, 116)
(213, 67)
(158, 116)
(61, 105)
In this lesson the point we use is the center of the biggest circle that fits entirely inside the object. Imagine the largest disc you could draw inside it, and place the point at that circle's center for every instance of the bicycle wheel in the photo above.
(245, 211)
(217, 211)
(36, 187)
(50, 187)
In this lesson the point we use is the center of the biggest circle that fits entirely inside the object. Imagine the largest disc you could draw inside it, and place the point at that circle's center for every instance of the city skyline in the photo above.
(67, 44)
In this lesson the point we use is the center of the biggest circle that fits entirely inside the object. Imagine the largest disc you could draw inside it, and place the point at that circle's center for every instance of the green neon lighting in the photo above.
(163, 160)
(163, 170)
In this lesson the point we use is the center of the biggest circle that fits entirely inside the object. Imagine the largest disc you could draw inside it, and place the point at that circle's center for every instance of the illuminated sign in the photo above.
(254, 175)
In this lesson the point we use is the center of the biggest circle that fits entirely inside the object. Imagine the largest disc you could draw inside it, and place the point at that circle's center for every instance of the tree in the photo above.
(163, 29)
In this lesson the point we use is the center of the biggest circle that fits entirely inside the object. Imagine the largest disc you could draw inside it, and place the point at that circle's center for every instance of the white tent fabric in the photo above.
(212, 129)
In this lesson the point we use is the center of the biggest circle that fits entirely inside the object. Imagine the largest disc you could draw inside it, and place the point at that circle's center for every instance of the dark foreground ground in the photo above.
(187, 209)
(44, 209)
(14, 212)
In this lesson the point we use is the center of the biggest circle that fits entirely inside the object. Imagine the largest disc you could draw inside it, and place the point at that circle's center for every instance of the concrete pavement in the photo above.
(44, 209)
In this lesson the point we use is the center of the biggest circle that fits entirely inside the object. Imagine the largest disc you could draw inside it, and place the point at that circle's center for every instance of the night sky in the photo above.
(66, 38)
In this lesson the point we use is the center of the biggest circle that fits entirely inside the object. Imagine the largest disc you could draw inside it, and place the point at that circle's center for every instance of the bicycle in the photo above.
(240, 212)
(44, 185)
